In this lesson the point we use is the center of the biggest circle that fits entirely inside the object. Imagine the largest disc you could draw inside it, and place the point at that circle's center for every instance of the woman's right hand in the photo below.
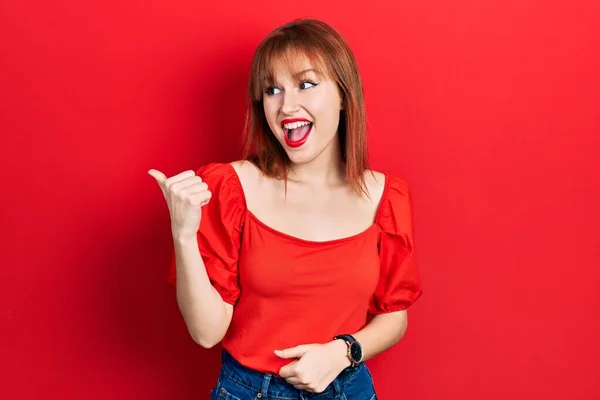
(185, 194)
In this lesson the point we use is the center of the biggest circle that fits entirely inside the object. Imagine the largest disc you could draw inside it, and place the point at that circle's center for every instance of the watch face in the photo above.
(356, 352)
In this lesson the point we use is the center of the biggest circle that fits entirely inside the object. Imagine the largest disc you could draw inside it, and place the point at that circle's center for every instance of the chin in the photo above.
(301, 157)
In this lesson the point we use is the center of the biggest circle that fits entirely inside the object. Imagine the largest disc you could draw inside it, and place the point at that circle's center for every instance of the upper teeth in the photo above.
(295, 125)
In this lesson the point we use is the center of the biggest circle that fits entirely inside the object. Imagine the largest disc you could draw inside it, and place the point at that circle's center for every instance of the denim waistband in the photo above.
(273, 386)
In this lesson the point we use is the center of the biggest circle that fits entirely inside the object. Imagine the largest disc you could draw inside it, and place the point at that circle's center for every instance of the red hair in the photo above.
(331, 56)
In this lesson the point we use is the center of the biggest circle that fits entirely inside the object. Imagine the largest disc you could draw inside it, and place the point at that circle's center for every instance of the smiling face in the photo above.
(302, 107)
(275, 93)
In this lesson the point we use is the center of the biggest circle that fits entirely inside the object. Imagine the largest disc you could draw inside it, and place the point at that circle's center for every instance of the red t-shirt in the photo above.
(288, 291)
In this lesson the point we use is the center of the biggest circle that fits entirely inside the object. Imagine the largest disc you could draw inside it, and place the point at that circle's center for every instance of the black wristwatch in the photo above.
(355, 353)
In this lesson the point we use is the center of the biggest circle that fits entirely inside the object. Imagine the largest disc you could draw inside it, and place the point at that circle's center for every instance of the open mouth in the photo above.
(296, 132)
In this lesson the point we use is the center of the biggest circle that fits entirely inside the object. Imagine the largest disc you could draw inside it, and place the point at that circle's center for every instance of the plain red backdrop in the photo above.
(489, 109)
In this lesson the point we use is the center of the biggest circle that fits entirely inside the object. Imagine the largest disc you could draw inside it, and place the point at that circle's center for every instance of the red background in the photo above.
(490, 109)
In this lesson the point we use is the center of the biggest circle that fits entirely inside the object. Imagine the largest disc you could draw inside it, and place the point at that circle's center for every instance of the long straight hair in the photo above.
(329, 54)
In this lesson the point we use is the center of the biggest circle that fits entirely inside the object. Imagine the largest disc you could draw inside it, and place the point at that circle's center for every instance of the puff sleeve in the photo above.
(399, 284)
(220, 233)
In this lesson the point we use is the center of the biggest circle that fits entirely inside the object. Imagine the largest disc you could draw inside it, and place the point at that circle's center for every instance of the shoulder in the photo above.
(236, 171)
(247, 172)
(375, 183)
(381, 185)
(395, 204)
(215, 171)
(222, 181)
(386, 187)
(255, 185)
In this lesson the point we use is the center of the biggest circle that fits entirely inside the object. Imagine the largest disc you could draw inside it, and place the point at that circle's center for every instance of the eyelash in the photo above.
(268, 91)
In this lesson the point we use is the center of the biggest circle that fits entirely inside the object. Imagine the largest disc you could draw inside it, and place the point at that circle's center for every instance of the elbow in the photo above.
(206, 344)
(402, 327)
(401, 323)
(205, 341)
(400, 334)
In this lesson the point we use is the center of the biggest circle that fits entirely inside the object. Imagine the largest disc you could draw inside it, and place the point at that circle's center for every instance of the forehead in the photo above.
(293, 65)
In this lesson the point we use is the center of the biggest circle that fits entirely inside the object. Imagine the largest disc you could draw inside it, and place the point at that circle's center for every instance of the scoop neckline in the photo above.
(307, 241)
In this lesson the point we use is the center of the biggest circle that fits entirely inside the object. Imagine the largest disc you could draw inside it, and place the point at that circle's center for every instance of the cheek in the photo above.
(327, 111)
(270, 110)
(266, 107)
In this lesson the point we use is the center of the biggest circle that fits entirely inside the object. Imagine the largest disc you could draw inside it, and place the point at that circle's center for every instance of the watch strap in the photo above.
(345, 337)
(349, 339)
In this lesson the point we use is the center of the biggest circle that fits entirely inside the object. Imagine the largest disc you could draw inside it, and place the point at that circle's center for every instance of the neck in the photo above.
(325, 170)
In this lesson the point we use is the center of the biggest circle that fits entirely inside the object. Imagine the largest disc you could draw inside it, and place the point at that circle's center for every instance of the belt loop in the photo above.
(337, 388)
(265, 386)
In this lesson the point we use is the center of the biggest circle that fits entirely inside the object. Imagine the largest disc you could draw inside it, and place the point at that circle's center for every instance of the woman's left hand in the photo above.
(317, 365)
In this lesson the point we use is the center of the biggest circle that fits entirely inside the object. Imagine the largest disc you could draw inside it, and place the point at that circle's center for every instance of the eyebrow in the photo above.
(270, 80)
(299, 74)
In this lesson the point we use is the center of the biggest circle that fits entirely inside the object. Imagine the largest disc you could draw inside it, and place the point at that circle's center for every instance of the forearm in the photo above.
(205, 313)
(382, 332)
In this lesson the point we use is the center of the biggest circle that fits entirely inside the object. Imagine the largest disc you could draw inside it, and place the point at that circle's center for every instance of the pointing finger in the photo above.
(159, 176)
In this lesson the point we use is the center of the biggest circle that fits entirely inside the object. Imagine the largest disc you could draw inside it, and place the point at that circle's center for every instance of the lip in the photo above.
(292, 120)
(285, 137)
(298, 143)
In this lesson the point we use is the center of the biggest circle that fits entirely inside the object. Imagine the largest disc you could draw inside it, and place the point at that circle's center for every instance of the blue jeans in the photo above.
(237, 382)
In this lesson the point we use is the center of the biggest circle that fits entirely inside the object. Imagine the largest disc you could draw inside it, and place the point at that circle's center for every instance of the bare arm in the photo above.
(319, 364)
(382, 332)
(205, 313)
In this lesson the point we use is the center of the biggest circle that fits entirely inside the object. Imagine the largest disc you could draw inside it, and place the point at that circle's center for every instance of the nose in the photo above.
(290, 103)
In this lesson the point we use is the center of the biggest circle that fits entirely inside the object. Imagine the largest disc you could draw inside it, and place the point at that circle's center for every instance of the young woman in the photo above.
(298, 258)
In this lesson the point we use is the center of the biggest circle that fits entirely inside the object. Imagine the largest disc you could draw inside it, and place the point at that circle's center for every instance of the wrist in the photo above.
(341, 353)
(184, 240)
(354, 348)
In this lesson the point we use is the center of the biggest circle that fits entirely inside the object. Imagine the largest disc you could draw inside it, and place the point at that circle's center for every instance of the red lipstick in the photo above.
(295, 143)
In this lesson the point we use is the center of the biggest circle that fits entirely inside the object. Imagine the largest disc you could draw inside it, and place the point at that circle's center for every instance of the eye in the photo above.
(303, 85)
(270, 91)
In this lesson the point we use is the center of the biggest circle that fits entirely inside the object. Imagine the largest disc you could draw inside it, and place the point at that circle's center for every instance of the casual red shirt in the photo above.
(288, 291)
